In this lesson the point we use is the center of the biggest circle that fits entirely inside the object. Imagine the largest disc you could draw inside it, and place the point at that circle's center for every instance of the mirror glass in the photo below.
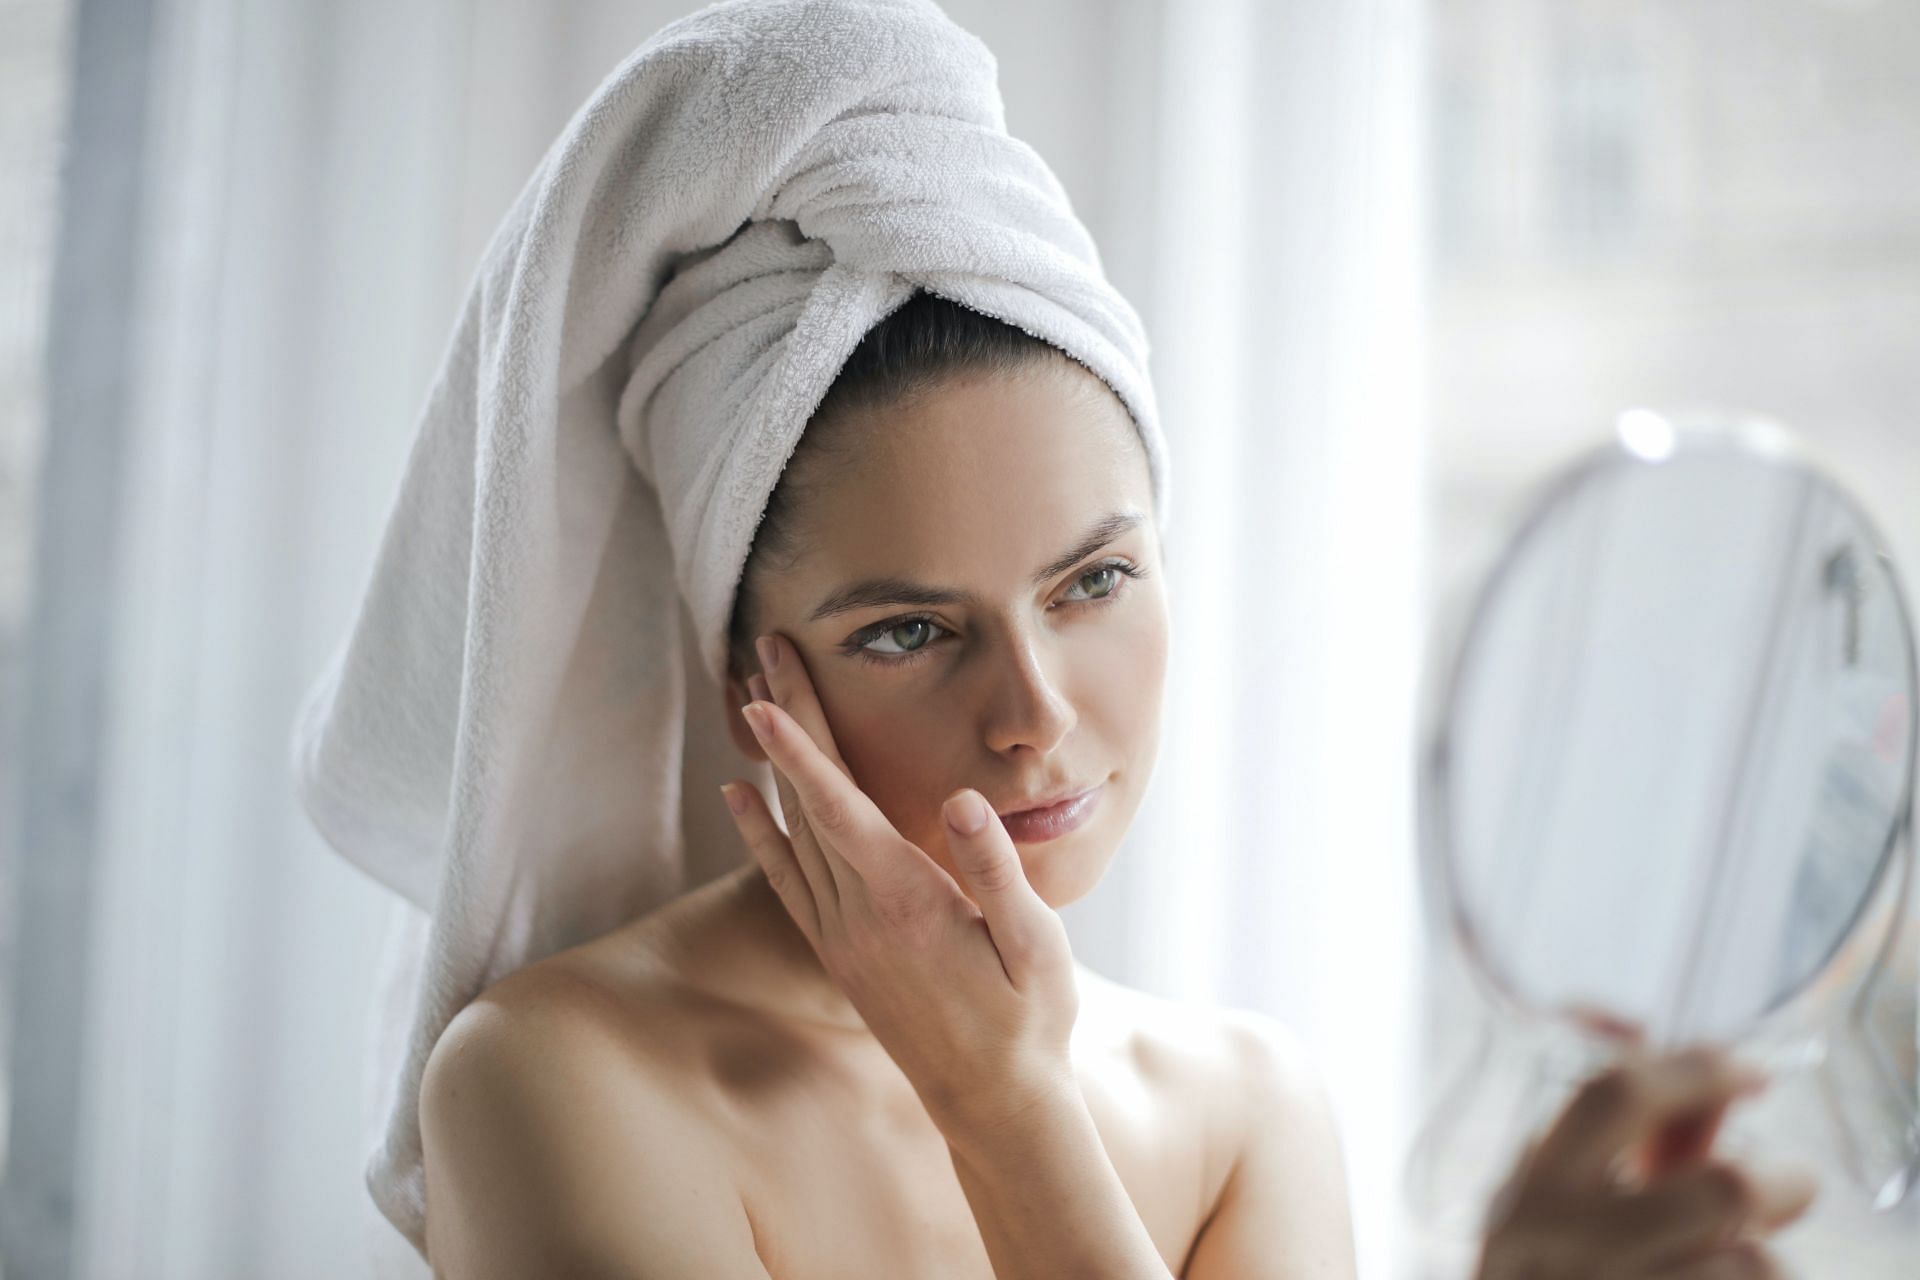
(1678, 735)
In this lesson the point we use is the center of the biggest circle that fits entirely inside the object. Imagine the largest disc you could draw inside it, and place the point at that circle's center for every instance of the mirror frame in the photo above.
(1641, 437)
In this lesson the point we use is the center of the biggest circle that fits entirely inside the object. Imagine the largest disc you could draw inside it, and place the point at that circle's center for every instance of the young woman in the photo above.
(869, 1052)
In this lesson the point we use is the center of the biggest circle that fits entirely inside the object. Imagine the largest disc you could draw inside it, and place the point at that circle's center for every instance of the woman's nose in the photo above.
(1029, 709)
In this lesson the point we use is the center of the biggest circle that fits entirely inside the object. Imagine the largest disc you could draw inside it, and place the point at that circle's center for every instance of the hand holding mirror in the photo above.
(1668, 782)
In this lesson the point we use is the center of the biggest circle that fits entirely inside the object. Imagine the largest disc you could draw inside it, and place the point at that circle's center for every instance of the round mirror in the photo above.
(1676, 743)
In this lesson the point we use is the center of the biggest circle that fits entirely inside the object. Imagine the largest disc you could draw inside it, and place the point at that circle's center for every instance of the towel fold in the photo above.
(501, 736)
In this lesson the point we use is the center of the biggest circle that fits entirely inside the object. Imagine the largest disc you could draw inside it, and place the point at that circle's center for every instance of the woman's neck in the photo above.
(742, 945)
(770, 964)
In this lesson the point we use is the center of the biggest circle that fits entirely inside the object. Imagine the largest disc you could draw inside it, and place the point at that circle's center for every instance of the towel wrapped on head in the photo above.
(501, 737)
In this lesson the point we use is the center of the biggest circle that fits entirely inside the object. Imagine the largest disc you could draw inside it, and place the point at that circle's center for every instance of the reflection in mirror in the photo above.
(1670, 771)
(1679, 741)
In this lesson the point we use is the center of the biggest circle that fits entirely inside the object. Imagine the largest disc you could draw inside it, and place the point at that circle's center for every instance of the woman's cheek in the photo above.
(894, 761)
(1143, 684)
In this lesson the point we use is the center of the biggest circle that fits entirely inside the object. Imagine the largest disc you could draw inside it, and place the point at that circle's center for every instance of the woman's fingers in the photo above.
(785, 674)
(815, 864)
(1703, 1206)
(1604, 1022)
(842, 819)
(1684, 1140)
(1025, 930)
(1686, 1217)
(1621, 1108)
(828, 875)
(784, 682)
(775, 855)
(1743, 1260)
(1785, 1193)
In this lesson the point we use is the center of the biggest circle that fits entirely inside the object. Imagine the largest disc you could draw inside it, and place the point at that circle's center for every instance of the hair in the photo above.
(924, 341)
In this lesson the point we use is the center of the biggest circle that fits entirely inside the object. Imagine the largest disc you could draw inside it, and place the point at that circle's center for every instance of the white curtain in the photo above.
(1272, 866)
(321, 178)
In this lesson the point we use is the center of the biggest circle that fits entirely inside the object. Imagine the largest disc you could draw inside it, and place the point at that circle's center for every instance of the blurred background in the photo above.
(1397, 258)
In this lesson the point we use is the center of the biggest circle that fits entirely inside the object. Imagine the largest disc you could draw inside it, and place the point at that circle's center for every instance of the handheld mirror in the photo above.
(1672, 758)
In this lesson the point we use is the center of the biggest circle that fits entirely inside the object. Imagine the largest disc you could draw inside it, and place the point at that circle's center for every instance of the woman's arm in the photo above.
(546, 1157)
(1049, 1203)
(1046, 1197)
(1283, 1212)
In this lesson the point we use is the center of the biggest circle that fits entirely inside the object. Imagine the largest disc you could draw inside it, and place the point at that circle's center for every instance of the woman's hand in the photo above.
(1620, 1186)
(975, 1003)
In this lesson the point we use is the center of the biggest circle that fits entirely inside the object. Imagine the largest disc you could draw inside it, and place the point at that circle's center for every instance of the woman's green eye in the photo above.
(921, 625)
(1111, 578)
(912, 636)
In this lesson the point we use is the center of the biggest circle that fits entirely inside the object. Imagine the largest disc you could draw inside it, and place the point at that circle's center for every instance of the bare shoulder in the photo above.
(1275, 1191)
(1269, 1060)
(1234, 1057)
(542, 1127)
(1280, 1098)
(576, 1011)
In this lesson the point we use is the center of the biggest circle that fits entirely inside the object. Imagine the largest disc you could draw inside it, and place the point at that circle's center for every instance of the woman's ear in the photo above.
(737, 727)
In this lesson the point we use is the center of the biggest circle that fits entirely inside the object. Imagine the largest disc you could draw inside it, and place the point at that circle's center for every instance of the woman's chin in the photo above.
(1065, 870)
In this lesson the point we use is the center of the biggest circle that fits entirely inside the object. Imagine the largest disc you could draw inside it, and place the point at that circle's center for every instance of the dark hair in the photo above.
(926, 339)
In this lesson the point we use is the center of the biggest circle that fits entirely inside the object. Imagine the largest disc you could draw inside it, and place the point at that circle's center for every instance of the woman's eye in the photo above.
(912, 634)
(910, 638)
(1108, 575)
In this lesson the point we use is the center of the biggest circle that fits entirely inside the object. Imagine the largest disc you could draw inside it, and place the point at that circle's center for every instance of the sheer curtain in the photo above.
(317, 182)
(1272, 867)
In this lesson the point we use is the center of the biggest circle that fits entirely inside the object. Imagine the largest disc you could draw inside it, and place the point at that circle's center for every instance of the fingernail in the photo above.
(756, 714)
(736, 798)
(769, 652)
(1799, 1183)
(966, 812)
(1784, 1189)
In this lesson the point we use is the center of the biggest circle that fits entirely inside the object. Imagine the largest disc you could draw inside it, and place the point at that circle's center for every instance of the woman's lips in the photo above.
(1032, 826)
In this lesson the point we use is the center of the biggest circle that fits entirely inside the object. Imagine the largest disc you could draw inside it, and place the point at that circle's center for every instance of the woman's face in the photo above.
(965, 610)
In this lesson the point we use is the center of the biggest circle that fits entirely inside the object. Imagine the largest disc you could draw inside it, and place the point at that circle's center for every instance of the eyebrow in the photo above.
(878, 591)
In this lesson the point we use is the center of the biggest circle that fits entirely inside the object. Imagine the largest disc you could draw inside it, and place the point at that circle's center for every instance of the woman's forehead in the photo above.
(984, 468)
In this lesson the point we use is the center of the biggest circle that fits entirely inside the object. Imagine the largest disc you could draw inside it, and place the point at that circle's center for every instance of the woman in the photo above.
(869, 1052)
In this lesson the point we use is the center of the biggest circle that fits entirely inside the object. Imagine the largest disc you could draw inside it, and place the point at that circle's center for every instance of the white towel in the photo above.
(502, 734)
